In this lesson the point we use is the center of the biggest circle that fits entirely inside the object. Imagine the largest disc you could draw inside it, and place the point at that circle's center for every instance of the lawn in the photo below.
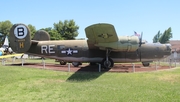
(23, 84)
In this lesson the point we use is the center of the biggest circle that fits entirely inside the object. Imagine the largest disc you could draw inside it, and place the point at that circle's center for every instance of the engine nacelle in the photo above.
(125, 43)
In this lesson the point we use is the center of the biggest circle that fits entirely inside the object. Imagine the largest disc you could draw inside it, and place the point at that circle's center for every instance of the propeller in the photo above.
(140, 39)
(140, 43)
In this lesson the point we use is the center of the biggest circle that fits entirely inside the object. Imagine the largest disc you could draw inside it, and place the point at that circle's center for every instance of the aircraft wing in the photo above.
(103, 36)
(12, 55)
(100, 33)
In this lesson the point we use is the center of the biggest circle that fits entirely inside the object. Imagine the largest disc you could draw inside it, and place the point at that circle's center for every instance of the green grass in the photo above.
(23, 84)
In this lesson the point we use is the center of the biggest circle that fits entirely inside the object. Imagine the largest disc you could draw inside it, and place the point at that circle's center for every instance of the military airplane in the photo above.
(5, 49)
(102, 46)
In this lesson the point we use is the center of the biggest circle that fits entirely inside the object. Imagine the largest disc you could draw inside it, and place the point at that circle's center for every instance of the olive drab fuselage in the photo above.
(78, 50)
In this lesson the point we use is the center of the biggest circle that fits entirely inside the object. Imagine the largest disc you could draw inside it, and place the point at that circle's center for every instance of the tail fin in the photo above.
(41, 35)
(6, 43)
(20, 38)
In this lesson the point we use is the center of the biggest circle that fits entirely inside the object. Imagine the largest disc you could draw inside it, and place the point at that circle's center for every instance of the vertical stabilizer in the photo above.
(20, 38)
(6, 42)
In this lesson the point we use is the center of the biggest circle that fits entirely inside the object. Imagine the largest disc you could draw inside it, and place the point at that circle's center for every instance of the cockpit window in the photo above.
(60, 47)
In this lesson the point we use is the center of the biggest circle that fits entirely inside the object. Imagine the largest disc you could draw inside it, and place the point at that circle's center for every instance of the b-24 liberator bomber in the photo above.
(102, 46)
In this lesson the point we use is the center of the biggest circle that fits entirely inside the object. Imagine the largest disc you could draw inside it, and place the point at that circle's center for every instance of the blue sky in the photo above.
(147, 16)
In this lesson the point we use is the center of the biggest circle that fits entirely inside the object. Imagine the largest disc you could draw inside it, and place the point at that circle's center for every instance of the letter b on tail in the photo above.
(20, 38)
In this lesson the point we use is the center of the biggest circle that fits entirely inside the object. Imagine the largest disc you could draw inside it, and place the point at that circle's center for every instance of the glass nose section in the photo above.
(168, 47)
(167, 50)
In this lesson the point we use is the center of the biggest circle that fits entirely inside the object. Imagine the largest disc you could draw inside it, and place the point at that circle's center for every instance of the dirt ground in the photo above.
(126, 68)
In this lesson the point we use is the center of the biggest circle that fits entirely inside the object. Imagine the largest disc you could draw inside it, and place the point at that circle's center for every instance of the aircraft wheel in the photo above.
(145, 64)
(108, 64)
(62, 62)
(76, 64)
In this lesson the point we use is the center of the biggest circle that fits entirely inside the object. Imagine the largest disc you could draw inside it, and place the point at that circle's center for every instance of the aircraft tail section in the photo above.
(20, 38)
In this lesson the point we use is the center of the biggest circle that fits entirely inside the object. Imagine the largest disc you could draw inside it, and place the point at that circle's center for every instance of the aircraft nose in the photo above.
(168, 49)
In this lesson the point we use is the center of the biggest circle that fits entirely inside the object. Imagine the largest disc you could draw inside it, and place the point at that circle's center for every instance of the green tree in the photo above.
(32, 30)
(166, 36)
(67, 29)
(156, 37)
(5, 27)
(1, 39)
(163, 38)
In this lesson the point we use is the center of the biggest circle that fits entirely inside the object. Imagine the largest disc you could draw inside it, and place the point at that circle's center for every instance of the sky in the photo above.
(127, 16)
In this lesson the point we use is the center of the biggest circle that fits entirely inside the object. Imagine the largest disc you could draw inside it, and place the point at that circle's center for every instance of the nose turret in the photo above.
(168, 47)
(167, 50)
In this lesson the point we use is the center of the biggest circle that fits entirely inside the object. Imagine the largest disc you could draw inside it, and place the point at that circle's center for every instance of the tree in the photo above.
(32, 30)
(163, 38)
(67, 29)
(5, 27)
(156, 37)
(1, 39)
(166, 36)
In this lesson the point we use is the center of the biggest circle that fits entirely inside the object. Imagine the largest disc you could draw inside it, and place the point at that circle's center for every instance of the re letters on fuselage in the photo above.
(47, 49)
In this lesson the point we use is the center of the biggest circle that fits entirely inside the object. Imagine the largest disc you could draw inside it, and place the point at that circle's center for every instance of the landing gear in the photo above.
(107, 62)
(62, 62)
(145, 64)
(76, 64)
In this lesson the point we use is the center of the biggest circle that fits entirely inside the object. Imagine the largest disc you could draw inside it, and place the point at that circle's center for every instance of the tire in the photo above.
(76, 64)
(145, 64)
(62, 62)
(108, 65)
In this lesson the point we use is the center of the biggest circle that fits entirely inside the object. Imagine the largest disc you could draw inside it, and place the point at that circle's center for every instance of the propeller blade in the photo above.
(140, 39)
(140, 55)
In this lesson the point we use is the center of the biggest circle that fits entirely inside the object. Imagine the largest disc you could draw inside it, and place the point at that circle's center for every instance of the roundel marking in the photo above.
(20, 31)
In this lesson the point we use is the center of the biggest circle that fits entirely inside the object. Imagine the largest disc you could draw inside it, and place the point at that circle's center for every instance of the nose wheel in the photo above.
(107, 62)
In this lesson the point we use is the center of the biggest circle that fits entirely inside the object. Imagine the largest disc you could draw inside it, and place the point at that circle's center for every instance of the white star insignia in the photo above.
(69, 52)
